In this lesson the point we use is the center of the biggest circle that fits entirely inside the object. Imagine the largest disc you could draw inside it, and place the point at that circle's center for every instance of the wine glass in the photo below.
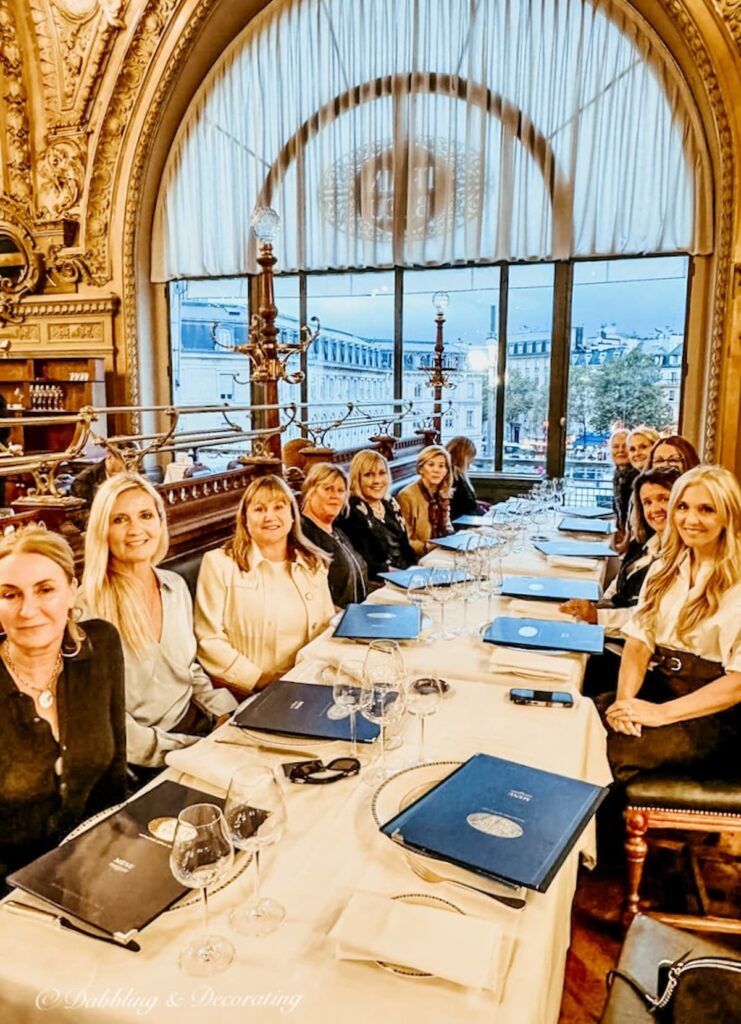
(439, 589)
(348, 693)
(383, 696)
(201, 855)
(491, 578)
(255, 814)
(423, 698)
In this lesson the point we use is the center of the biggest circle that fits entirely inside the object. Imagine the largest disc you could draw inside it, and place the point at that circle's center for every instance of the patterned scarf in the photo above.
(438, 510)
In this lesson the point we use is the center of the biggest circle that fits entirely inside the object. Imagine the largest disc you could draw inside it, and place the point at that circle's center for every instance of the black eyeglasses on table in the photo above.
(316, 773)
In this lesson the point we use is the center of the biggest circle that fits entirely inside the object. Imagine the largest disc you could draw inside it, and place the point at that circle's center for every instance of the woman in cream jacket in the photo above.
(262, 596)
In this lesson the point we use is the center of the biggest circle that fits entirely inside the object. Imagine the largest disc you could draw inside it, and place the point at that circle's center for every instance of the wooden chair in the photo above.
(674, 802)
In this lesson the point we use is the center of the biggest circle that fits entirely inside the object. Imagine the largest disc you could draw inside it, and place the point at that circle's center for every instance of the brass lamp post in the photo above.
(438, 376)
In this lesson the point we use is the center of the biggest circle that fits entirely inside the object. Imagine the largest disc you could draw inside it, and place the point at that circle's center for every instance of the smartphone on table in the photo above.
(541, 698)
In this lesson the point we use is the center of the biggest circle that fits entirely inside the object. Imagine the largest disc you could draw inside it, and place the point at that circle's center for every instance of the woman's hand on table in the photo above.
(582, 610)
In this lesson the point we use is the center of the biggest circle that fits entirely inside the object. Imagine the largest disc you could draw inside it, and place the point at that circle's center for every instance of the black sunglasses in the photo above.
(317, 773)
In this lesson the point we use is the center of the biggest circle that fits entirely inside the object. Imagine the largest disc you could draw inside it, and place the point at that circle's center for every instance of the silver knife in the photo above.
(59, 921)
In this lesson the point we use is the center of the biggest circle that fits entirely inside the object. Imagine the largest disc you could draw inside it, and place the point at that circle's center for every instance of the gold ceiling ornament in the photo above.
(60, 177)
(21, 266)
(15, 147)
(730, 12)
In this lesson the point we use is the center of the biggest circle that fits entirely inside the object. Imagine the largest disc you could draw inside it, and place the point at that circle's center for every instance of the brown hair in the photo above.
(690, 458)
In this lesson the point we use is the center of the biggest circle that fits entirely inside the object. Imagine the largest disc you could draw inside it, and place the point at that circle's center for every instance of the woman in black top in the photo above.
(62, 733)
(374, 522)
(463, 500)
(323, 498)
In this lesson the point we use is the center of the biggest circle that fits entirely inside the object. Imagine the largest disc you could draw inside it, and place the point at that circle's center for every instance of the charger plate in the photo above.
(162, 828)
(418, 899)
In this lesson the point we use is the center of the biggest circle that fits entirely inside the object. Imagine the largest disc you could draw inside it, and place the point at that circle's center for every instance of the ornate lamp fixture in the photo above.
(439, 375)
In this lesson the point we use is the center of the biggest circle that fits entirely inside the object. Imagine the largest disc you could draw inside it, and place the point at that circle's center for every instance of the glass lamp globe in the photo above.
(440, 301)
(265, 223)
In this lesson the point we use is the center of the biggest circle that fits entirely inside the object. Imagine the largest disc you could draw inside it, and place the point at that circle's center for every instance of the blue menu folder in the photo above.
(511, 631)
(548, 588)
(300, 709)
(459, 541)
(574, 524)
(499, 819)
(471, 521)
(403, 577)
(575, 548)
(380, 622)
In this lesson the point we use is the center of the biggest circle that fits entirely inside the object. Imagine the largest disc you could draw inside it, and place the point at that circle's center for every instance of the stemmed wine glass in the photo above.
(383, 696)
(423, 698)
(439, 589)
(255, 814)
(348, 693)
(201, 855)
(491, 577)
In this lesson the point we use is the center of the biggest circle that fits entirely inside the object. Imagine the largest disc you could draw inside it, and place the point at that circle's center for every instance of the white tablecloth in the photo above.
(332, 848)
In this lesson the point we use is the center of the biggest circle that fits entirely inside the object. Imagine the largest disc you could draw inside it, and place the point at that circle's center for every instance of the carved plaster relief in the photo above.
(15, 145)
(730, 11)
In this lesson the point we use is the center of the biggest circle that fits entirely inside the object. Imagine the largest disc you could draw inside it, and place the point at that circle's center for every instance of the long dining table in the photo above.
(331, 849)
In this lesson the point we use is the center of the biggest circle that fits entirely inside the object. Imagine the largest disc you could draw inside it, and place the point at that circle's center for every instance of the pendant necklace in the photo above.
(44, 694)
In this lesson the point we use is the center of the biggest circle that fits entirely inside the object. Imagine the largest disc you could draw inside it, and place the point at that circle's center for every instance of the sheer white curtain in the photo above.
(424, 132)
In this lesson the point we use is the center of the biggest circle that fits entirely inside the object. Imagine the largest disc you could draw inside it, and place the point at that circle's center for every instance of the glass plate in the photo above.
(418, 899)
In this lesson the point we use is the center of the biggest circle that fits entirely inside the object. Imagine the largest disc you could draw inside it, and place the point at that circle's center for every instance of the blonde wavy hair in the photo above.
(319, 474)
(725, 494)
(363, 462)
(107, 594)
(431, 451)
(239, 546)
(35, 539)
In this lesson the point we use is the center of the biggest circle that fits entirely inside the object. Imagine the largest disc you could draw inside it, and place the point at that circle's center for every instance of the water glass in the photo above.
(423, 698)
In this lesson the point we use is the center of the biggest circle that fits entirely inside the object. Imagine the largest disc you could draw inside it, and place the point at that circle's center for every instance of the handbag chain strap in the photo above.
(675, 971)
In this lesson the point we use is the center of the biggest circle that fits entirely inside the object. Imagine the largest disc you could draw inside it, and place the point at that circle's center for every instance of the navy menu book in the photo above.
(116, 875)
(459, 541)
(546, 633)
(587, 511)
(500, 819)
(379, 622)
(300, 709)
(575, 548)
(577, 525)
(421, 574)
(548, 588)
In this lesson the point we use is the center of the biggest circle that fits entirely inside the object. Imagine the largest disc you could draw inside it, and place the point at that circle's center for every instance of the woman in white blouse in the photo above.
(170, 701)
(263, 595)
(684, 715)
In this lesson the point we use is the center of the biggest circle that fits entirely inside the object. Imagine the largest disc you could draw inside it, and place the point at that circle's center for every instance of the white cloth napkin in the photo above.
(529, 665)
(466, 950)
(211, 762)
(537, 610)
(572, 562)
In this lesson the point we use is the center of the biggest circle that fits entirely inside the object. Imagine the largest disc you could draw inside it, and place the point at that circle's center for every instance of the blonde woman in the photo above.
(374, 522)
(263, 595)
(323, 499)
(425, 504)
(62, 737)
(170, 701)
(685, 713)
(639, 443)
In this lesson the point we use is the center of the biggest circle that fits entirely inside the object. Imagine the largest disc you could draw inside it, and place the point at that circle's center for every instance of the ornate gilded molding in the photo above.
(61, 173)
(149, 31)
(16, 147)
(77, 307)
(21, 263)
(730, 12)
(724, 204)
(74, 38)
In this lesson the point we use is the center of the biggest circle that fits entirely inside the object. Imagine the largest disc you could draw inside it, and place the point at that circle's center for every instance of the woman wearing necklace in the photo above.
(684, 714)
(262, 596)
(426, 503)
(170, 701)
(374, 522)
(323, 498)
(62, 736)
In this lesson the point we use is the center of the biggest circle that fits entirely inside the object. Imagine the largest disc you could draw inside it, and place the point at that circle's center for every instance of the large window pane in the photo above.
(353, 358)
(470, 325)
(528, 373)
(626, 356)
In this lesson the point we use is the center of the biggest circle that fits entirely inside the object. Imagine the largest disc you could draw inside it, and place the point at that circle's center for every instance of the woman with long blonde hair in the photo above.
(262, 596)
(685, 712)
(425, 504)
(170, 701)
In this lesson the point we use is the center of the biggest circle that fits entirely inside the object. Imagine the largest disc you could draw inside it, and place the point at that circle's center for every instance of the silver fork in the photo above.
(516, 902)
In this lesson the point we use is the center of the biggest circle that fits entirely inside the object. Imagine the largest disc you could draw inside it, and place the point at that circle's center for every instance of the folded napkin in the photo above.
(211, 762)
(537, 610)
(530, 665)
(572, 562)
(466, 950)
